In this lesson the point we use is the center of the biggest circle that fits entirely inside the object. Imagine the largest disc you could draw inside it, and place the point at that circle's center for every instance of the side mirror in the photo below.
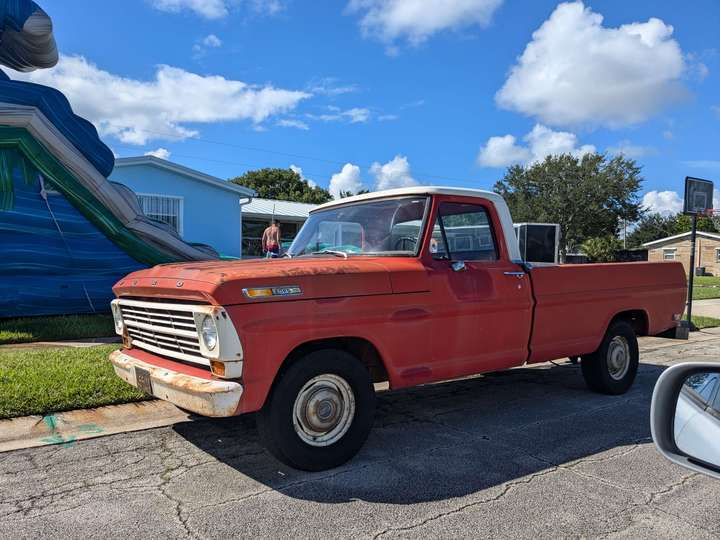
(685, 416)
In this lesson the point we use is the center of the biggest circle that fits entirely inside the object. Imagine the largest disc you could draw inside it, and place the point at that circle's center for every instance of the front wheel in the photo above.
(320, 412)
(613, 367)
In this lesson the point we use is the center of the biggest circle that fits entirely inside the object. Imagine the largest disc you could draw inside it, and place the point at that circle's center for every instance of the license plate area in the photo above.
(143, 380)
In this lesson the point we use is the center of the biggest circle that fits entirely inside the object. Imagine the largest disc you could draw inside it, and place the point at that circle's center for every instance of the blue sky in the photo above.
(395, 92)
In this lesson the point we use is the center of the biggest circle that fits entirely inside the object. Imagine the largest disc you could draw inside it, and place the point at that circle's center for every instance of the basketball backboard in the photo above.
(698, 196)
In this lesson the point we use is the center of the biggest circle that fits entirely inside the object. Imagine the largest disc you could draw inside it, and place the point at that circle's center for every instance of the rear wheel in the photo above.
(613, 367)
(320, 412)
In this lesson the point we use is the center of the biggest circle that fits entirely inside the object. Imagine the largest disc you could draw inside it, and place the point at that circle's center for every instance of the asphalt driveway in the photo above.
(528, 453)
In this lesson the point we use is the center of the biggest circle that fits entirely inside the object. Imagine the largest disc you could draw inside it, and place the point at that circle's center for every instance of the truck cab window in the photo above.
(468, 232)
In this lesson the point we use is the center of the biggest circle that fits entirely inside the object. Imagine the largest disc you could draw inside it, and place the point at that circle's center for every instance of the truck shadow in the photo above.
(449, 440)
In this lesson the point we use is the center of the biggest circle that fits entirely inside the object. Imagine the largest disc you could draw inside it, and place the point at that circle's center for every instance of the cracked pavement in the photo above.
(528, 453)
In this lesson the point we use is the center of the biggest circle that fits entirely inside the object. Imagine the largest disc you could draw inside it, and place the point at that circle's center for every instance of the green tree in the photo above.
(602, 249)
(651, 227)
(345, 194)
(655, 226)
(683, 223)
(588, 197)
(283, 185)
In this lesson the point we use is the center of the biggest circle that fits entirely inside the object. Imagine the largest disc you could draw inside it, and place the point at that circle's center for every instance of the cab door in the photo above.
(481, 301)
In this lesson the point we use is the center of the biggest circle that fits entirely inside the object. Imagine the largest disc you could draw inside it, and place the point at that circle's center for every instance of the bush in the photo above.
(602, 249)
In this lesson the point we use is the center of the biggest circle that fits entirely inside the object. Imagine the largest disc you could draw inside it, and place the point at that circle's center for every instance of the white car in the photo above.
(685, 416)
(697, 417)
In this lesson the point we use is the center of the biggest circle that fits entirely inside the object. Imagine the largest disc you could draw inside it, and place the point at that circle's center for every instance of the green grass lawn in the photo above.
(43, 381)
(705, 287)
(29, 329)
(705, 322)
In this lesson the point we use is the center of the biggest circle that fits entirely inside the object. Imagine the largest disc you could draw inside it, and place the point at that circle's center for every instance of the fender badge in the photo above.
(179, 284)
(154, 283)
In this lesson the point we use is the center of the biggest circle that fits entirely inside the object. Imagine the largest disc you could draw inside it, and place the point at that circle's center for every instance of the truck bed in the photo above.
(575, 302)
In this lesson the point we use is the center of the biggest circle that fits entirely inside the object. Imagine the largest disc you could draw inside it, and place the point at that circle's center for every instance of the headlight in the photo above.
(117, 317)
(209, 332)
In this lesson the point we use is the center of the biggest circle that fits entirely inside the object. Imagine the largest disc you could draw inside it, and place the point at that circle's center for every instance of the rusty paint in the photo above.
(208, 397)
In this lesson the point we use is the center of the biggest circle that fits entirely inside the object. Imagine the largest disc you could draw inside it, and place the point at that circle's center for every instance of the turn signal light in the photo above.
(258, 293)
(265, 292)
(218, 368)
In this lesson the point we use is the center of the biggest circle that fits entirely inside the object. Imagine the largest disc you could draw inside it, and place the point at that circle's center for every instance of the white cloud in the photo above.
(348, 179)
(668, 135)
(393, 174)
(212, 40)
(210, 9)
(503, 151)
(299, 171)
(137, 111)
(293, 123)
(387, 117)
(161, 153)
(329, 86)
(216, 9)
(576, 71)
(417, 20)
(354, 116)
(633, 151)
(667, 203)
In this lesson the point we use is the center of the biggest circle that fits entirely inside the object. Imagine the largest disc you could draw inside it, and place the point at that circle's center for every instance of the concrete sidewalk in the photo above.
(69, 427)
(707, 308)
(74, 343)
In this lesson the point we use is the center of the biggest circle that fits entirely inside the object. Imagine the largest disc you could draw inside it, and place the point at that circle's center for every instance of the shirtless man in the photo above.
(271, 240)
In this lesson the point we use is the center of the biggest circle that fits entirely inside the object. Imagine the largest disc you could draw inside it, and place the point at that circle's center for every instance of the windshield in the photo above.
(380, 227)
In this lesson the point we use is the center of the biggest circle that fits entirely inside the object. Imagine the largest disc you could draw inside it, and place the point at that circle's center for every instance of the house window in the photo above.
(163, 208)
(717, 255)
(669, 254)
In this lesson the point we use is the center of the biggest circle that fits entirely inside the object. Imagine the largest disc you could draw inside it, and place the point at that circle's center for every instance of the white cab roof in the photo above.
(499, 203)
(416, 190)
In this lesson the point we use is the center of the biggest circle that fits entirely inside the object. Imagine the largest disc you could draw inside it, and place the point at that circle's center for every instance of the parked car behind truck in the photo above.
(408, 286)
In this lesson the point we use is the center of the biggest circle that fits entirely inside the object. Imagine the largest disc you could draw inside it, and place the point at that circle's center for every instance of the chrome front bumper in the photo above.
(207, 397)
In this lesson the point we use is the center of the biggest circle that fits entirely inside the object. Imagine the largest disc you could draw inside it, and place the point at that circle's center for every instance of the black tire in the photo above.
(276, 421)
(600, 369)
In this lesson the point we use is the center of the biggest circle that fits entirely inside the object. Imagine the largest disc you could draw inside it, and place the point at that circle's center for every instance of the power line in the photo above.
(173, 136)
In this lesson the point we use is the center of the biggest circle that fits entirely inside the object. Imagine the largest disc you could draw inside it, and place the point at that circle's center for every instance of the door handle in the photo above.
(518, 275)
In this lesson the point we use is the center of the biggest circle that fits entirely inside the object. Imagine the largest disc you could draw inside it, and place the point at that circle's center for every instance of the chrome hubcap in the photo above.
(618, 357)
(324, 410)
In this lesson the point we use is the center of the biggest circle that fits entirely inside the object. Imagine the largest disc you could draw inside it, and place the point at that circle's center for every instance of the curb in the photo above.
(73, 343)
(69, 427)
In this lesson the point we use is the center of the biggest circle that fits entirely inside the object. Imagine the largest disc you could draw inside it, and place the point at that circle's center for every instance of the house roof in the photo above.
(176, 168)
(681, 236)
(280, 209)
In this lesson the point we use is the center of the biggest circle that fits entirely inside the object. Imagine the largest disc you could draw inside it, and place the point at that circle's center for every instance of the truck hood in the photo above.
(222, 283)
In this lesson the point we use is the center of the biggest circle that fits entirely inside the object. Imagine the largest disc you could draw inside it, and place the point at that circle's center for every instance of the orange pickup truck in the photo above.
(408, 286)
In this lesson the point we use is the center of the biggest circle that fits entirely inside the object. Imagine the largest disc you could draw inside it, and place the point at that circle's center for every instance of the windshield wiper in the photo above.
(331, 252)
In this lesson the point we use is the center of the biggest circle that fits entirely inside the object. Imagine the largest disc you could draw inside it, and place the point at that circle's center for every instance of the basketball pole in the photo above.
(693, 238)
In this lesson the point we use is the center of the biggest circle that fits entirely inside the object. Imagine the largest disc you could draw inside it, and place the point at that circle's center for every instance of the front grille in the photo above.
(167, 329)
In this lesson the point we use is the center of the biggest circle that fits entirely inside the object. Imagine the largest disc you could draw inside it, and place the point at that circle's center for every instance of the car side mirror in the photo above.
(685, 416)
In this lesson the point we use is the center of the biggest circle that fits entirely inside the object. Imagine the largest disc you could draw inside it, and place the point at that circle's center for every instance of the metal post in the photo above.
(693, 237)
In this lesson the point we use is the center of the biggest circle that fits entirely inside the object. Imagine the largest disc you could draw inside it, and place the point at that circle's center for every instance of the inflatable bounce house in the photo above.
(67, 234)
